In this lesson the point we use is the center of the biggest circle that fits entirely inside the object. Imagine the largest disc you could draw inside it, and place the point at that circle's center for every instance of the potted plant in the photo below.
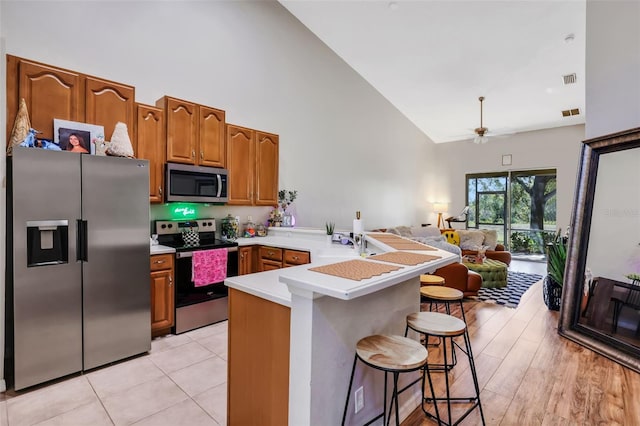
(329, 226)
(556, 261)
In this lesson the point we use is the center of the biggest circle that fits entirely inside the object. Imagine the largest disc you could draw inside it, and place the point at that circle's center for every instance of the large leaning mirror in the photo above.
(601, 295)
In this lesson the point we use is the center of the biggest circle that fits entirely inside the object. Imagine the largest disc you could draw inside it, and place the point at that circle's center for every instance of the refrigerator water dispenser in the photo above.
(47, 242)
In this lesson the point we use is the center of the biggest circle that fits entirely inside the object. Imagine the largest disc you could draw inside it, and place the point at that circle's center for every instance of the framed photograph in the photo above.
(506, 160)
(76, 137)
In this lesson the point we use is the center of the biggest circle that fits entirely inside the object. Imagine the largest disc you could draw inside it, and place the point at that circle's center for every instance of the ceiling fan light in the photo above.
(480, 139)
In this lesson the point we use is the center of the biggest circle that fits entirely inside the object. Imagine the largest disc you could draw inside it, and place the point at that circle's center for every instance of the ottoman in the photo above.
(493, 272)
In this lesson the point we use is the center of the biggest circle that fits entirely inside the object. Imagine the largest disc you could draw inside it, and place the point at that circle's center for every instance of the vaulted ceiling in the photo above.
(434, 59)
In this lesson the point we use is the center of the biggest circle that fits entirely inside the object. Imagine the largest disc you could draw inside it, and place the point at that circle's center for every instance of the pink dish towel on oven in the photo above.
(208, 266)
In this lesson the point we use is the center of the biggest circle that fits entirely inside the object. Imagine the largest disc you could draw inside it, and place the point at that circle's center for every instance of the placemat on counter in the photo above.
(399, 243)
(356, 269)
(404, 258)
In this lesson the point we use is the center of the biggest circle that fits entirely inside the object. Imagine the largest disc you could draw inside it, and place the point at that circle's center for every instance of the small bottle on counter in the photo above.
(249, 228)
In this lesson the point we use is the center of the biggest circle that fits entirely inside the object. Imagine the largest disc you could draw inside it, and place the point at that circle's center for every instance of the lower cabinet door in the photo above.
(162, 300)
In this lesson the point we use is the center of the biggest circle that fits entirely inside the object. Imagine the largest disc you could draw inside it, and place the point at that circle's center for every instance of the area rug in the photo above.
(517, 284)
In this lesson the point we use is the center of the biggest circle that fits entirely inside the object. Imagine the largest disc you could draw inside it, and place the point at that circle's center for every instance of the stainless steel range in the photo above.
(196, 306)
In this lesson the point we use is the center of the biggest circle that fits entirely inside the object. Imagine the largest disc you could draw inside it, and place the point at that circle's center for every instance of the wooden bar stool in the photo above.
(446, 295)
(446, 327)
(391, 354)
(429, 279)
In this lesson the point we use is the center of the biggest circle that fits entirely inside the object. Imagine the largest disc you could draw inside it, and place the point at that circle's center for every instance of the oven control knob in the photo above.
(204, 224)
(170, 225)
(210, 224)
(163, 226)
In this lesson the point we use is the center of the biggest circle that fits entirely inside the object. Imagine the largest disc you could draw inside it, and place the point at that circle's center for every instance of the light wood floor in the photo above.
(529, 375)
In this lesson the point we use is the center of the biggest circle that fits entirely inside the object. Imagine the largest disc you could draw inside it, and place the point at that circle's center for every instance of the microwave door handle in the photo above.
(219, 185)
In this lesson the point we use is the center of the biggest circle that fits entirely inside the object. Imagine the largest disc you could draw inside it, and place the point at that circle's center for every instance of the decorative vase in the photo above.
(287, 219)
(329, 240)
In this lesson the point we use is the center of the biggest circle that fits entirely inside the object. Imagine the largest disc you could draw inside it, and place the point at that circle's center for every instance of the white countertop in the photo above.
(159, 249)
(277, 285)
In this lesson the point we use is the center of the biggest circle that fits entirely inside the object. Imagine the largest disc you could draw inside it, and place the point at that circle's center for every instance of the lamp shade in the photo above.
(439, 207)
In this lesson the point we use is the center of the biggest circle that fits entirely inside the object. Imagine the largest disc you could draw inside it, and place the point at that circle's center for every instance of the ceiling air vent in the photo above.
(569, 78)
(570, 112)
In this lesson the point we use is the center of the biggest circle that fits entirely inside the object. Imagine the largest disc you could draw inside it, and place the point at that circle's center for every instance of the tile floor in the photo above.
(181, 381)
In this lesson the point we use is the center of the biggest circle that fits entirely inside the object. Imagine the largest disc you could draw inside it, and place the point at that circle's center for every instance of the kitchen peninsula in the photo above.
(293, 331)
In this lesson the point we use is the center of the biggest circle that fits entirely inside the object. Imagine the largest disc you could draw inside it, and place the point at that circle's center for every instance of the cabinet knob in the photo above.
(201, 155)
(170, 281)
(160, 190)
(159, 261)
(295, 257)
(193, 153)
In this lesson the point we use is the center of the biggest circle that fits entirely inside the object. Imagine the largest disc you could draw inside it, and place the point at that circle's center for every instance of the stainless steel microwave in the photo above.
(196, 184)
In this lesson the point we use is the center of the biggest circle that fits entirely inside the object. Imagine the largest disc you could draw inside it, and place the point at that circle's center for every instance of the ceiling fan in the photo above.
(480, 131)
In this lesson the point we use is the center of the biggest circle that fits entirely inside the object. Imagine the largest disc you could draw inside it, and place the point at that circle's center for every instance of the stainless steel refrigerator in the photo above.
(78, 293)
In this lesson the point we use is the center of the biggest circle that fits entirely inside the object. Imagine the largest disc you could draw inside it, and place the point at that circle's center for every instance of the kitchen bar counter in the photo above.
(327, 316)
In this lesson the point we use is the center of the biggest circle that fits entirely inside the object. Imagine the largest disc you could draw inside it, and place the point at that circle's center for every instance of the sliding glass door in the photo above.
(520, 205)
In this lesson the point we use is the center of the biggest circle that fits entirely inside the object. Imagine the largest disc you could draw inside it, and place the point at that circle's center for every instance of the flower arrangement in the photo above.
(285, 198)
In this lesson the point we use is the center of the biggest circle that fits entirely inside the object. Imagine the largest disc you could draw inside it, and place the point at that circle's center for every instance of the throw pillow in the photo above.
(425, 231)
(440, 243)
(452, 236)
(403, 231)
(471, 240)
(490, 238)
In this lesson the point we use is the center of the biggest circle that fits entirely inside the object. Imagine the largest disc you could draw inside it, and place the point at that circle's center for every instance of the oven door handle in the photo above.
(183, 254)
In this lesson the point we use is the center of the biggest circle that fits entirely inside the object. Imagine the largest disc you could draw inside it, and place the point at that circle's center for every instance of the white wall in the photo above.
(557, 148)
(613, 105)
(612, 66)
(343, 146)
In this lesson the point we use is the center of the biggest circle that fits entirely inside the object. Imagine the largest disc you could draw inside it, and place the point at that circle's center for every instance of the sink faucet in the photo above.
(359, 243)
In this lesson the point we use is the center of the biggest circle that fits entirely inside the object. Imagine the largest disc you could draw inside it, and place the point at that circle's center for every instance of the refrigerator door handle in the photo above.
(81, 241)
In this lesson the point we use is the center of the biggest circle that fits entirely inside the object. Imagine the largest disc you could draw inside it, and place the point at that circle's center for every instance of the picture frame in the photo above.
(506, 160)
(74, 136)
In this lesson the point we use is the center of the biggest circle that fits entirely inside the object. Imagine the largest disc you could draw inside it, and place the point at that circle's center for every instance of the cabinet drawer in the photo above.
(294, 257)
(271, 253)
(161, 261)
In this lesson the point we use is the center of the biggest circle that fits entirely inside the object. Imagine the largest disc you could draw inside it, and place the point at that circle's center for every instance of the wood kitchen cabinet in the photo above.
(52, 92)
(252, 161)
(149, 131)
(107, 103)
(247, 260)
(295, 258)
(49, 92)
(195, 133)
(270, 258)
(162, 294)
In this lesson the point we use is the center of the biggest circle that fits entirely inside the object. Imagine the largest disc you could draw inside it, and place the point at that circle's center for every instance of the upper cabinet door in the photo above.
(49, 93)
(212, 143)
(182, 130)
(108, 103)
(241, 164)
(266, 177)
(152, 147)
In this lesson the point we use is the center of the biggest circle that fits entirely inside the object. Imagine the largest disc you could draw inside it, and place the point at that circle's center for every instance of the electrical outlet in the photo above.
(359, 397)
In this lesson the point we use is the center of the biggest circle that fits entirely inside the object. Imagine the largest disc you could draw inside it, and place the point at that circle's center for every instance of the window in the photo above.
(520, 205)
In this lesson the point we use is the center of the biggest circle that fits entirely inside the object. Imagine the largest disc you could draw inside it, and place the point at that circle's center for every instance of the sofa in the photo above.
(471, 241)
(456, 275)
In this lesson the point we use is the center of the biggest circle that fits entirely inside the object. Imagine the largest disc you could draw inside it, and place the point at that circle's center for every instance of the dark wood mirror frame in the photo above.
(569, 327)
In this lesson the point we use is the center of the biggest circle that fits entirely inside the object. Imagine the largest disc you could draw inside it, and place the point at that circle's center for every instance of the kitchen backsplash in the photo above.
(194, 210)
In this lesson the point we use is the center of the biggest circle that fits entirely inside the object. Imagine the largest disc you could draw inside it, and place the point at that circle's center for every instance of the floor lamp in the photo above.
(440, 208)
